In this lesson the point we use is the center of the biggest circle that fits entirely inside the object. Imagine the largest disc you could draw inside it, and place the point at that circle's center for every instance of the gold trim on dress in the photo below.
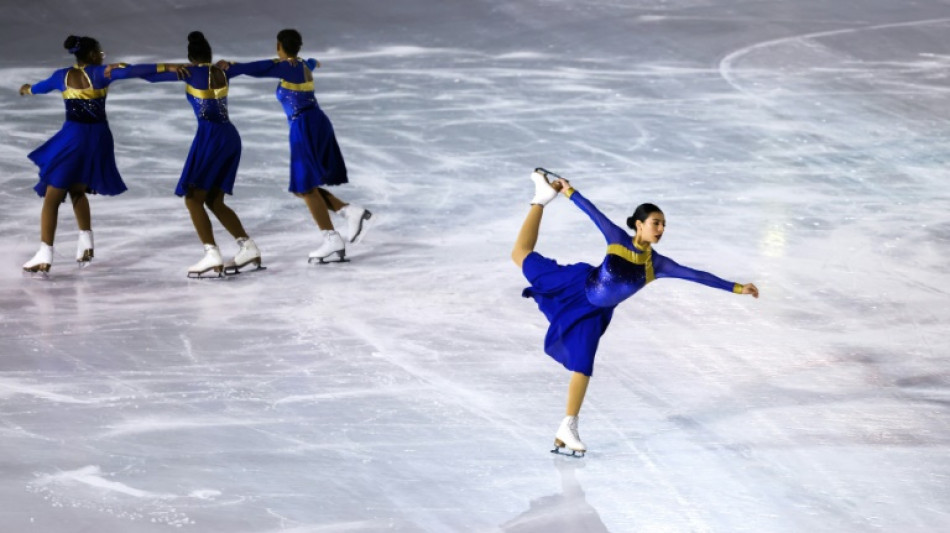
(305, 86)
(637, 258)
(85, 94)
(207, 94)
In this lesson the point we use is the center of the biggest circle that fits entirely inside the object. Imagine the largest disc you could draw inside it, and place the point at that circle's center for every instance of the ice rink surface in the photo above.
(798, 144)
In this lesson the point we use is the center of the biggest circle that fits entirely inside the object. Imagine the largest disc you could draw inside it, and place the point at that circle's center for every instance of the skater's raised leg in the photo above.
(527, 239)
(528, 236)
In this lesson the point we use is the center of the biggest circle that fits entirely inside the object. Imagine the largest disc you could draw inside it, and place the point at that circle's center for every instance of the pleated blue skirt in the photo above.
(576, 325)
(213, 160)
(315, 157)
(79, 153)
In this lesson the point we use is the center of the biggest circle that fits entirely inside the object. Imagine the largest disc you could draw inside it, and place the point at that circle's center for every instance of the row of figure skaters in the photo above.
(80, 160)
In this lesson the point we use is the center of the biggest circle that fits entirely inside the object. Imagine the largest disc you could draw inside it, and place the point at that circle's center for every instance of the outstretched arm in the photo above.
(150, 72)
(613, 233)
(266, 68)
(665, 267)
(53, 83)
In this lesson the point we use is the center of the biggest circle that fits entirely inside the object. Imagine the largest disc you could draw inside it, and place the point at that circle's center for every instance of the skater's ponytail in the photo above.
(290, 41)
(199, 49)
(81, 47)
(642, 212)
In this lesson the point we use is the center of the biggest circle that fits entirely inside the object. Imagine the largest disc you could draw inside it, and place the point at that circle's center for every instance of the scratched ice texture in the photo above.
(798, 144)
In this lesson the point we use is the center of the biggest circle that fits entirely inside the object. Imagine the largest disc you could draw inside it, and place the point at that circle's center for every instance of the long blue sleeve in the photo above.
(665, 267)
(161, 76)
(266, 68)
(134, 71)
(613, 233)
(53, 83)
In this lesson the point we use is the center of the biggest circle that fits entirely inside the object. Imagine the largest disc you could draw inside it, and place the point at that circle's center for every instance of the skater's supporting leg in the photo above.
(576, 392)
(528, 236)
(318, 208)
(194, 201)
(50, 214)
(228, 218)
(77, 194)
(333, 203)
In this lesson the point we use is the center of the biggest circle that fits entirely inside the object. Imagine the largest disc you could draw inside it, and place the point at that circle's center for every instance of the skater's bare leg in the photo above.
(528, 236)
(228, 218)
(194, 201)
(77, 194)
(576, 391)
(318, 208)
(333, 203)
(49, 216)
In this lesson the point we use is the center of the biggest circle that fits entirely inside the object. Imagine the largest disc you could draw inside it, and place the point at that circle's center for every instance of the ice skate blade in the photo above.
(547, 173)
(567, 452)
(233, 270)
(42, 268)
(329, 259)
(36, 274)
(211, 273)
(86, 256)
(561, 449)
(364, 225)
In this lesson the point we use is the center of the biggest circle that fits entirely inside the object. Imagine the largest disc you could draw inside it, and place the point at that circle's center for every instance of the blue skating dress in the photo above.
(315, 157)
(579, 299)
(82, 152)
(215, 153)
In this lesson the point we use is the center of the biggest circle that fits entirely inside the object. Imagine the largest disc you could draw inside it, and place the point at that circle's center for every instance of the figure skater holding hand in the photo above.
(212, 163)
(578, 299)
(80, 157)
(315, 157)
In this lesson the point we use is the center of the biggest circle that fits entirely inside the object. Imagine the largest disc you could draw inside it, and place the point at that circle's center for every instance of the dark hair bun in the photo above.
(631, 223)
(71, 42)
(196, 37)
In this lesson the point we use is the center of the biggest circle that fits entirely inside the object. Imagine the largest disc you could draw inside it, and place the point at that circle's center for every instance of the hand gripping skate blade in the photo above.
(547, 173)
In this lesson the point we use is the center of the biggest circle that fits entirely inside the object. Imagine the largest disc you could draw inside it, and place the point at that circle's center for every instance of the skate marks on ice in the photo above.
(88, 488)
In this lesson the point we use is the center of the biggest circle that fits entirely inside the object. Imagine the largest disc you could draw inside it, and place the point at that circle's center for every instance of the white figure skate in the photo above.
(332, 250)
(210, 266)
(42, 260)
(249, 254)
(567, 441)
(544, 193)
(84, 248)
(357, 219)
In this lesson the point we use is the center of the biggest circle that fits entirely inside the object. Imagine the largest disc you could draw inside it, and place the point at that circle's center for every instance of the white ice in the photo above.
(798, 144)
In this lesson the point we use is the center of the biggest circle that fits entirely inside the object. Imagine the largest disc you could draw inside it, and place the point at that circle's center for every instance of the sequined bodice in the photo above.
(295, 101)
(88, 111)
(210, 104)
(615, 280)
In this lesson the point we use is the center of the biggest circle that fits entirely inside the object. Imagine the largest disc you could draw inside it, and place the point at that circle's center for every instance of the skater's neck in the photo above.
(640, 244)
